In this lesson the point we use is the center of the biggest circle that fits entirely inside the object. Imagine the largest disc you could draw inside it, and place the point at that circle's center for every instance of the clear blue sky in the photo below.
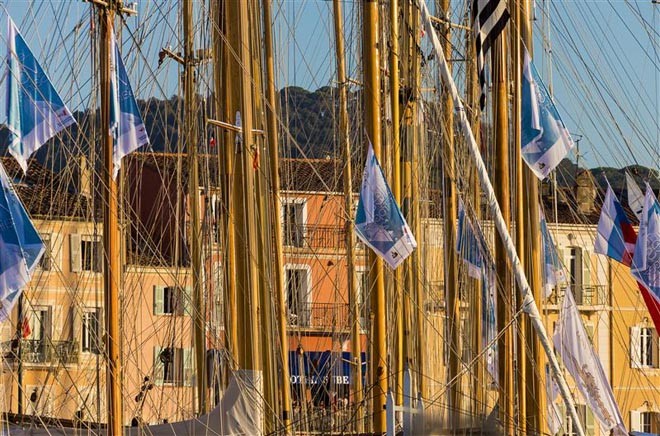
(605, 67)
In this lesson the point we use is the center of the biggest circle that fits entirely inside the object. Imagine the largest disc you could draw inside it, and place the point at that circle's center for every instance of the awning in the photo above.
(323, 366)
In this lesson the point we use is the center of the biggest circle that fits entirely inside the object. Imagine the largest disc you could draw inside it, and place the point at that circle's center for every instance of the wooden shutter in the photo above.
(158, 366)
(635, 420)
(159, 303)
(635, 344)
(655, 348)
(589, 424)
(74, 247)
(186, 301)
(588, 294)
(188, 367)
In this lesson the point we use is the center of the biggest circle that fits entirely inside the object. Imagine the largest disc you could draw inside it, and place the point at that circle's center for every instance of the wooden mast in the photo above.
(449, 224)
(243, 195)
(273, 148)
(356, 346)
(505, 343)
(401, 349)
(111, 278)
(522, 330)
(536, 373)
(190, 138)
(223, 104)
(379, 373)
(478, 380)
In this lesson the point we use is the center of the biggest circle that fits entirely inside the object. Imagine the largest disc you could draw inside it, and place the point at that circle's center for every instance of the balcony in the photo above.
(314, 236)
(319, 316)
(586, 297)
(36, 351)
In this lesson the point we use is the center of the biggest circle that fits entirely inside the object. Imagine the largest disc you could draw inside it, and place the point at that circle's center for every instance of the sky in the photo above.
(604, 67)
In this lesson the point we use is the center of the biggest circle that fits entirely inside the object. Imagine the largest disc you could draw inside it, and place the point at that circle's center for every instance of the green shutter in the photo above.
(187, 301)
(590, 427)
(159, 304)
(158, 366)
(635, 344)
(586, 267)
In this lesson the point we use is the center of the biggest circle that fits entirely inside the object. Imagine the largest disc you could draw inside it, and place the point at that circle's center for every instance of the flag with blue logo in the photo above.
(35, 110)
(615, 236)
(468, 245)
(545, 139)
(553, 272)
(21, 246)
(126, 125)
(646, 259)
(379, 222)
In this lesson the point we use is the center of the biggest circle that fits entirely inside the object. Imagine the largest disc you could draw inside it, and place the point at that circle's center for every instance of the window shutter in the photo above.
(186, 307)
(589, 425)
(76, 261)
(188, 367)
(635, 344)
(158, 366)
(159, 304)
(586, 268)
(635, 420)
(656, 349)
(590, 332)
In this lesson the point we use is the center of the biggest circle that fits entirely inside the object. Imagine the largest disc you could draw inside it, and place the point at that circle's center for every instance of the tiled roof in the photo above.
(42, 192)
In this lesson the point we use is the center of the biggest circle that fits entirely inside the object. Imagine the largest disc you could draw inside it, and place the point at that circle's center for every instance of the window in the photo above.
(173, 366)
(644, 352)
(586, 419)
(38, 338)
(171, 300)
(297, 294)
(45, 261)
(646, 421)
(293, 222)
(579, 262)
(86, 253)
(91, 328)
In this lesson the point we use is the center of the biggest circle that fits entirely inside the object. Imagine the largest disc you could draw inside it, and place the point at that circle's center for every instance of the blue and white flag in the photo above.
(21, 247)
(646, 259)
(467, 245)
(545, 139)
(35, 111)
(553, 272)
(581, 361)
(126, 125)
(379, 222)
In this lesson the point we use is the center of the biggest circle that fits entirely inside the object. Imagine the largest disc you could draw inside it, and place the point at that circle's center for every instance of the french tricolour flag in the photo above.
(616, 236)
(617, 239)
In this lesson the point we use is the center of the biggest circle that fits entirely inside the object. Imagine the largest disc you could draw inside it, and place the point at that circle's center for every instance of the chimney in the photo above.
(585, 193)
(84, 177)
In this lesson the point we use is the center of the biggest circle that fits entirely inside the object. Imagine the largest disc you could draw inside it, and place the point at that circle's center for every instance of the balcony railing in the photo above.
(585, 296)
(314, 236)
(37, 351)
(319, 316)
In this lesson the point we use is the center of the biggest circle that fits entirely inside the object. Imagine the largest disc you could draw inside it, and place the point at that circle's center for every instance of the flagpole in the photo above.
(528, 304)
(111, 277)
(379, 370)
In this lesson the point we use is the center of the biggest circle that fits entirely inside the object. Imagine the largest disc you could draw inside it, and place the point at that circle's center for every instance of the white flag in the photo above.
(379, 222)
(552, 393)
(635, 196)
(579, 357)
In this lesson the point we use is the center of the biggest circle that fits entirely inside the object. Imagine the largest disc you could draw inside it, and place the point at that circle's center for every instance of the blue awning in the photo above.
(323, 366)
